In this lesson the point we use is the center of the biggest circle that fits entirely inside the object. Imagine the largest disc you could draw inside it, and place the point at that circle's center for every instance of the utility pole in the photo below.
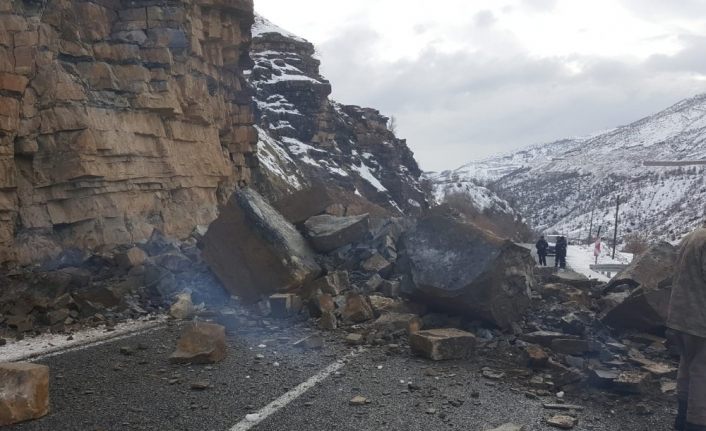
(590, 229)
(598, 238)
(615, 234)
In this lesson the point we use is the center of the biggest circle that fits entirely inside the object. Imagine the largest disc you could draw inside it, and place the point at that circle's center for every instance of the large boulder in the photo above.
(24, 392)
(183, 307)
(131, 258)
(328, 233)
(645, 307)
(303, 204)
(323, 198)
(200, 343)
(357, 308)
(254, 251)
(443, 344)
(459, 268)
(653, 268)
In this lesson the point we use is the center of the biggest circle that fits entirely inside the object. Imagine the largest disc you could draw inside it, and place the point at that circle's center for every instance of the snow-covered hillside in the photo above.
(558, 186)
(306, 138)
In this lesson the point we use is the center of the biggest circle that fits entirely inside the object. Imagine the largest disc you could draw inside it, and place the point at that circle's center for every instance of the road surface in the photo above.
(98, 388)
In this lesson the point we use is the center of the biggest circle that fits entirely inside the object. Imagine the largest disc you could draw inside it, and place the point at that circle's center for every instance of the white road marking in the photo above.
(292, 395)
(119, 337)
(30, 352)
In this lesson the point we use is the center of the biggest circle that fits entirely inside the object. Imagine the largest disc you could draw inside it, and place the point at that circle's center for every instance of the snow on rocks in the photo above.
(263, 26)
(368, 176)
(306, 138)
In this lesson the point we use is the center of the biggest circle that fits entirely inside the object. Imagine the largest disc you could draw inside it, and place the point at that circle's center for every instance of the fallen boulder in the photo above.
(131, 258)
(334, 284)
(397, 322)
(377, 264)
(535, 357)
(460, 268)
(443, 344)
(328, 233)
(357, 309)
(326, 198)
(328, 321)
(283, 305)
(652, 268)
(183, 307)
(24, 392)
(200, 343)
(254, 251)
(303, 204)
(645, 308)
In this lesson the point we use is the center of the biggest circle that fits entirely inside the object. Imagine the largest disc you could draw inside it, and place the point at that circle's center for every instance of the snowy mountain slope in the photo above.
(482, 198)
(482, 205)
(557, 186)
(304, 137)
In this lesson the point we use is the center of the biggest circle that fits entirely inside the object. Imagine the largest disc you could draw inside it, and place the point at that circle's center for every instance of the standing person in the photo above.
(687, 322)
(560, 253)
(542, 245)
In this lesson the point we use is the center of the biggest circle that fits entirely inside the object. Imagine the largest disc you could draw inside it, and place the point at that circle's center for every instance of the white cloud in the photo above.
(466, 79)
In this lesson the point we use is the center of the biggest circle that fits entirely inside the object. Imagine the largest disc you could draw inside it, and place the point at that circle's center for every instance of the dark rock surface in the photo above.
(462, 269)
(254, 251)
(646, 289)
(328, 233)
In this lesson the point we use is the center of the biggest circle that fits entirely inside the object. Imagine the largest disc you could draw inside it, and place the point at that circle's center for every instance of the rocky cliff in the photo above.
(306, 138)
(117, 117)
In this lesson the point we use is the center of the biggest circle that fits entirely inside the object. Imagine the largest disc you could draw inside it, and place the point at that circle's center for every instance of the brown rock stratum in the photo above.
(119, 117)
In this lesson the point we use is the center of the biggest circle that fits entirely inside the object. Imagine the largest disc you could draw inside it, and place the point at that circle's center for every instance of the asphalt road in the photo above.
(98, 388)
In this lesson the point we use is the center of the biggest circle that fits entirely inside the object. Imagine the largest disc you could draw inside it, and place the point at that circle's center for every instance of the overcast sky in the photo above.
(467, 79)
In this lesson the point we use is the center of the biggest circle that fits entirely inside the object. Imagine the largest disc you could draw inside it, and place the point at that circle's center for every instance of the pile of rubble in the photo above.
(79, 290)
(434, 286)
(348, 270)
(450, 290)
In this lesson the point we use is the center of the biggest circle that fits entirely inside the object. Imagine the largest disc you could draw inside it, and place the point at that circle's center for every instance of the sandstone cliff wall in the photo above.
(117, 117)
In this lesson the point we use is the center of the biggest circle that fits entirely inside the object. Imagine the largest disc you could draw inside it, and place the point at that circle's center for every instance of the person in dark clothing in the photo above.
(542, 246)
(560, 253)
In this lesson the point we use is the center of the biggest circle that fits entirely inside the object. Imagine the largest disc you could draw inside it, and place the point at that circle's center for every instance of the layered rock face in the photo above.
(118, 117)
(307, 138)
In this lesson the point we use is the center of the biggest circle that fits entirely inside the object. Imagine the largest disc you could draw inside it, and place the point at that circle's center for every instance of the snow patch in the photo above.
(272, 156)
(368, 176)
(51, 343)
(263, 26)
(580, 258)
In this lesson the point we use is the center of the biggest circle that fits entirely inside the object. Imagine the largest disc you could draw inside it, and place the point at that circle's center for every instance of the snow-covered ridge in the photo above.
(557, 186)
(263, 26)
